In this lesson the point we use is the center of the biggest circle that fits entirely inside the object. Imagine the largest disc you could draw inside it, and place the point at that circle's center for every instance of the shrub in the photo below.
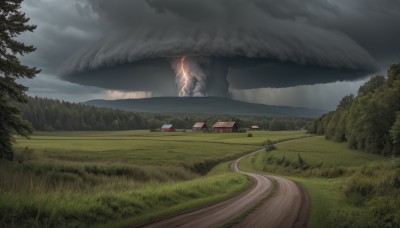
(384, 211)
(269, 146)
(359, 185)
(268, 142)
(250, 135)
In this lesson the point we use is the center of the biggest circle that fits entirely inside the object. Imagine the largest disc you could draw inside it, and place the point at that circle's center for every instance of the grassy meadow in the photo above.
(348, 188)
(90, 178)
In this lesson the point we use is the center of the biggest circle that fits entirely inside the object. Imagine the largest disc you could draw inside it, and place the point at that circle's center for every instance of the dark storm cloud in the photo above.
(288, 42)
(62, 28)
(213, 28)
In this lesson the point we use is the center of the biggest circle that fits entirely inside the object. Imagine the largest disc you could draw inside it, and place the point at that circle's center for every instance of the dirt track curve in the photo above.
(288, 206)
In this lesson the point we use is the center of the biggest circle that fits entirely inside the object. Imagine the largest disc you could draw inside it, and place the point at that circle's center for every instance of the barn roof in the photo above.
(255, 126)
(224, 124)
(167, 126)
(199, 124)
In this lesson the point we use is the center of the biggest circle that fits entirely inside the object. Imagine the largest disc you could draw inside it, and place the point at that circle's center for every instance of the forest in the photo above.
(369, 121)
(54, 115)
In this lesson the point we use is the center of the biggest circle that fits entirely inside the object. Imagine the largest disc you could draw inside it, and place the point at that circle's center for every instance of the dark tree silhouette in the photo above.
(12, 23)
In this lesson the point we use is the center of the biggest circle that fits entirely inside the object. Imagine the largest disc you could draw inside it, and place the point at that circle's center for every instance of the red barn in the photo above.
(168, 128)
(200, 126)
(225, 127)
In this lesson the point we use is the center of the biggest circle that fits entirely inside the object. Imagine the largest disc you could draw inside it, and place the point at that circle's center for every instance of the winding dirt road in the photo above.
(288, 206)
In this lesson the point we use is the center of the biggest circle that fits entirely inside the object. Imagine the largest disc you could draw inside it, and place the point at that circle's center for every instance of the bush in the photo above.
(359, 185)
(249, 135)
(384, 211)
(269, 146)
(268, 142)
(300, 163)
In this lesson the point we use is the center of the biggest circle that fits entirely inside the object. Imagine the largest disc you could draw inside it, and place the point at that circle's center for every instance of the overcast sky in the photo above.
(309, 53)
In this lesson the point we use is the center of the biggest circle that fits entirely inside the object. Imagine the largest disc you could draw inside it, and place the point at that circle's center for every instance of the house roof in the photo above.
(200, 124)
(224, 124)
(255, 126)
(167, 126)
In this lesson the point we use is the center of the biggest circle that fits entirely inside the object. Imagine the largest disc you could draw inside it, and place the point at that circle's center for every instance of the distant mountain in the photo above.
(204, 105)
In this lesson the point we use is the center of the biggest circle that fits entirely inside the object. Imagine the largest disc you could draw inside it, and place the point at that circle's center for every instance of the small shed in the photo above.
(200, 126)
(168, 128)
(254, 128)
(225, 127)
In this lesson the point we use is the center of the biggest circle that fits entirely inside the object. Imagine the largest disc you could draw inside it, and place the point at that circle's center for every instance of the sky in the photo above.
(309, 53)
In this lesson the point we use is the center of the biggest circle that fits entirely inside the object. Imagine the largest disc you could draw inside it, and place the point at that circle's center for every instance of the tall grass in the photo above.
(47, 176)
(73, 208)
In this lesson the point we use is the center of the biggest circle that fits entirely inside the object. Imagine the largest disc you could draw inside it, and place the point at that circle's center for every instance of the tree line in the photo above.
(370, 121)
(55, 115)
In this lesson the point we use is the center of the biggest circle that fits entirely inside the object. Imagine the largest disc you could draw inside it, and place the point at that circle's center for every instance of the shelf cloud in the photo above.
(237, 44)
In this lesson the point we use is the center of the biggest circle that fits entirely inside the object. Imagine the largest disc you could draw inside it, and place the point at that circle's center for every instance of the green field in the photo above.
(133, 177)
(82, 178)
(345, 185)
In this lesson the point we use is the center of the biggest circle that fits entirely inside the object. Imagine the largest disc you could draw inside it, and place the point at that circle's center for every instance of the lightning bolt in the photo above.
(183, 78)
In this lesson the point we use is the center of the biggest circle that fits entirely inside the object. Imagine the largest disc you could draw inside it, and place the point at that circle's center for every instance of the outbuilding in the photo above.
(168, 128)
(254, 128)
(225, 127)
(200, 126)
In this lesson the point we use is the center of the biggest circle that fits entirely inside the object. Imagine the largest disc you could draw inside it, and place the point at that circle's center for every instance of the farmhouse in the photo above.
(225, 127)
(254, 128)
(200, 126)
(168, 128)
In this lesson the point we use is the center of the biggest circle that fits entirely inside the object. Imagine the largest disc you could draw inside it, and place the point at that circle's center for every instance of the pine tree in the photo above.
(12, 23)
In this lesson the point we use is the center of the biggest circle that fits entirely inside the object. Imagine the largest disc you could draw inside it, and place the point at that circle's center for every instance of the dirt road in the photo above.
(288, 207)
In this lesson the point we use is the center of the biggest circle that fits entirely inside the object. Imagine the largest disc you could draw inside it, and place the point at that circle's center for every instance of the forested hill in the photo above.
(53, 115)
(369, 122)
(205, 105)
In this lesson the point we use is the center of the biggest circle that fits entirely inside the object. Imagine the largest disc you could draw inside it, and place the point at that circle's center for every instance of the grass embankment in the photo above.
(129, 207)
(133, 177)
(348, 188)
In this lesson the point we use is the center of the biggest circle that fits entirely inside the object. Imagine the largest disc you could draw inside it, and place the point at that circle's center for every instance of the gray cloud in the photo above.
(62, 28)
(322, 96)
(129, 45)
(213, 28)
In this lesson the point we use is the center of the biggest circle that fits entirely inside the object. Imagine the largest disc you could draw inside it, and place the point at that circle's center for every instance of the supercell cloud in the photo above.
(205, 47)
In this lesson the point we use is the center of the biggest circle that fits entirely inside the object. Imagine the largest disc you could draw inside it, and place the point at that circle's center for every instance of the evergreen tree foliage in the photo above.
(12, 23)
(53, 115)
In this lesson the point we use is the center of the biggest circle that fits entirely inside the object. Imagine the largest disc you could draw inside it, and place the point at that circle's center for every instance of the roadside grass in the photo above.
(354, 196)
(82, 178)
(326, 196)
(129, 208)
